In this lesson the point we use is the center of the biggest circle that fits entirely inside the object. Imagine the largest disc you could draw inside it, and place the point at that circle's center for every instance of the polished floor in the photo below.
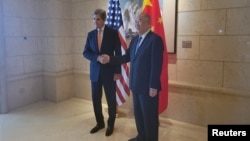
(72, 120)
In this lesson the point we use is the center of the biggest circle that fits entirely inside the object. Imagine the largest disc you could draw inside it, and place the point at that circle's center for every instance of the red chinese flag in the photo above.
(152, 8)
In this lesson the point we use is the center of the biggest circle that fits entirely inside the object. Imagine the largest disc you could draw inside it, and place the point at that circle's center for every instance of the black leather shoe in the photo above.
(96, 128)
(109, 131)
(133, 139)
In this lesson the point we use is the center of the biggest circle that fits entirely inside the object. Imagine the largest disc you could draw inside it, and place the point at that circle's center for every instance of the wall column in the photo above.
(3, 92)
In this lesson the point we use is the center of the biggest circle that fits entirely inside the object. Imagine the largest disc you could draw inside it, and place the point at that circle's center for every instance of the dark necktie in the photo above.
(138, 44)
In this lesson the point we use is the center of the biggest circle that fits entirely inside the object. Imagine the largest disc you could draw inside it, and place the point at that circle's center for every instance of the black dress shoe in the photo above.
(96, 128)
(133, 139)
(109, 131)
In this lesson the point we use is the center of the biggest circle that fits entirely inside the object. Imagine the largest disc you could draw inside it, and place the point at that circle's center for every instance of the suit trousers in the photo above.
(109, 89)
(146, 116)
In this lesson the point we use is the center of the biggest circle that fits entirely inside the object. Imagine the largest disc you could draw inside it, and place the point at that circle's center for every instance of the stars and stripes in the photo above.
(114, 20)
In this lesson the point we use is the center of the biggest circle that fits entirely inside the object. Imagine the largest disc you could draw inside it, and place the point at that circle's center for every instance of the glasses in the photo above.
(138, 21)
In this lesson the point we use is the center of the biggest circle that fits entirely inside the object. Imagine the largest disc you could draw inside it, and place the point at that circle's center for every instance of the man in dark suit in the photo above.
(103, 40)
(145, 54)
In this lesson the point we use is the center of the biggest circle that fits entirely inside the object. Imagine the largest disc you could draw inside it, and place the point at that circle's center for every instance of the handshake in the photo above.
(104, 58)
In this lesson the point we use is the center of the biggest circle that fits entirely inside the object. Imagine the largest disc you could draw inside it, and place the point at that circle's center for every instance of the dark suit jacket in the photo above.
(110, 45)
(145, 65)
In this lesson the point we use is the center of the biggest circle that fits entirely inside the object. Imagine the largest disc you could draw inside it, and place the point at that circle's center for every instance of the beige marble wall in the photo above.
(82, 86)
(209, 82)
(203, 106)
(24, 90)
(24, 60)
(58, 86)
(38, 42)
(220, 40)
(57, 41)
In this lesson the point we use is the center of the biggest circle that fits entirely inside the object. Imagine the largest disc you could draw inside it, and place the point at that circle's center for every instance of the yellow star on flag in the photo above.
(160, 20)
(146, 2)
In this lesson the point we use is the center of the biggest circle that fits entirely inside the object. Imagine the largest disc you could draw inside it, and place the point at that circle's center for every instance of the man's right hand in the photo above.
(104, 58)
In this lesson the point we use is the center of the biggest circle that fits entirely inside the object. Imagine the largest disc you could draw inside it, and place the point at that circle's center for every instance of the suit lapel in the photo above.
(143, 44)
(95, 39)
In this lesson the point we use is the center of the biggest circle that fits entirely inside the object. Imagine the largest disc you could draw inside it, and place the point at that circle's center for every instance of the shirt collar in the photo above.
(144, 35)
(102, 29)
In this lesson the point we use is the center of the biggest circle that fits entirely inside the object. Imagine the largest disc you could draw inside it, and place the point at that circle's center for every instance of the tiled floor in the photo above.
(72, 120)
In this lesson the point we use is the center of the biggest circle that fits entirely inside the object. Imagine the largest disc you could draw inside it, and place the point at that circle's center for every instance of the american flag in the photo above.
(114, 20)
